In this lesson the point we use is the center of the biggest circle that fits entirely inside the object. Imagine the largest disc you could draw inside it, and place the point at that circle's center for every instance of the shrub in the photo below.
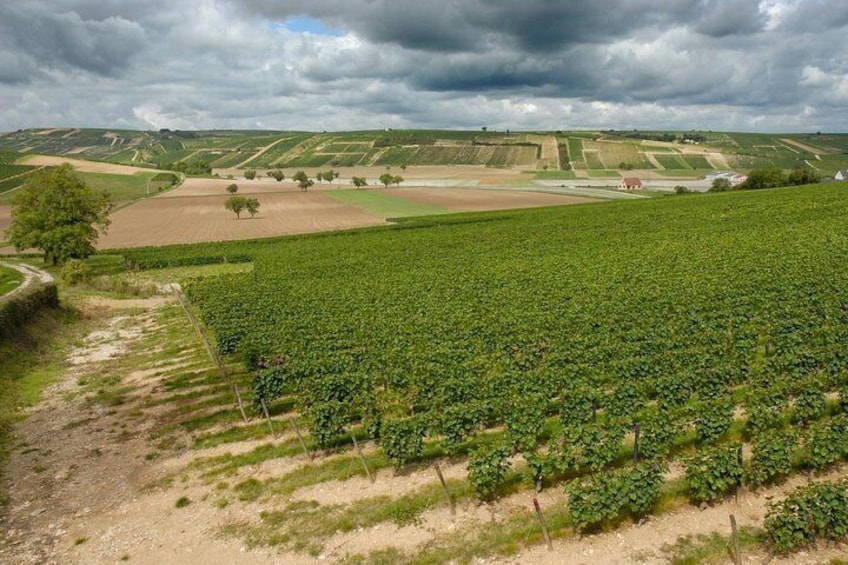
(810, 513)
(604, 497)
(76, 271)
(772, 456)
(713, 473)
(402, 440)
(487, 469)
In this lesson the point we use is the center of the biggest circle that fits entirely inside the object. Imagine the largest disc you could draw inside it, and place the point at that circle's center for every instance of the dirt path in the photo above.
(653, 160)
(31, 274)
(804, 146)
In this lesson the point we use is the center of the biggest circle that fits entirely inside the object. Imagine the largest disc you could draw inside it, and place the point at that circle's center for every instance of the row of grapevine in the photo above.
(558, 333)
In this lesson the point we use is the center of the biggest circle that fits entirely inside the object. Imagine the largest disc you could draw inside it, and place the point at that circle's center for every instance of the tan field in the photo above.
(194, 212)
(81, 165)
(168, 220)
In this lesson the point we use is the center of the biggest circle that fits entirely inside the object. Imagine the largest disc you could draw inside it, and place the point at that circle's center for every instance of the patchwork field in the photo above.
(194, 212)
(578, 150)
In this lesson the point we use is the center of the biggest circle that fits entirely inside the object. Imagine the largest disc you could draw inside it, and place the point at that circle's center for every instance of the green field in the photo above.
(380, 203)
(122, 188)
(9, 279)
(128, 187)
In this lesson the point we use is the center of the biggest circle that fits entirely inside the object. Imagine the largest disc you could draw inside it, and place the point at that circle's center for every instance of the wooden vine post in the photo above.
(451, 501)
(371, 477)
(267, 415)
(541, 518)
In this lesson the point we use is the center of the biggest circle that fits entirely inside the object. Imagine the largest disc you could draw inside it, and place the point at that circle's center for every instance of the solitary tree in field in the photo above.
(277, 175)
(232, 188)
(252, 206)
(236, 205)
(359, 182)
(250, 174)
(58, 214)
(397, 179)
(303, 181)
(387, 179)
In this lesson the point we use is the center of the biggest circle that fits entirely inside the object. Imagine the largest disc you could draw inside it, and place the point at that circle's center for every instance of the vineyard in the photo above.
(625, 352)
(581, 150)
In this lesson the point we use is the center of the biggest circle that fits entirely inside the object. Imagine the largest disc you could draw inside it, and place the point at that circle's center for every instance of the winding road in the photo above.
(31, 274)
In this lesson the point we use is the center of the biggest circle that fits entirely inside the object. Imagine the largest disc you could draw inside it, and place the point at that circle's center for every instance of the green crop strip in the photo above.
(386, 205)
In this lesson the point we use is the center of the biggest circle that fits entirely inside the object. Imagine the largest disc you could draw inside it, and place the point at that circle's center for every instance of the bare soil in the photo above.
(167, 220)
(805, 147)
(81, 165)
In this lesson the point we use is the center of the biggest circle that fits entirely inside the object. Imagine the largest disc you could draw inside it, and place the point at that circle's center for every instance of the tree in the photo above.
(236, 204)
(764, 178)
(803, 176)
(58, 214)
(397, 180)
(232, 188)
(250, 174)
(387, 179)
(302, 180)
(277, 175)
(359, 182)
(680, 189)
(252, 206)
(720, 184)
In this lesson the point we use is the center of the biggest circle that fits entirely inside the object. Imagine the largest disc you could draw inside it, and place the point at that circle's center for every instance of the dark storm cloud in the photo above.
(471, 25)
(66, 41)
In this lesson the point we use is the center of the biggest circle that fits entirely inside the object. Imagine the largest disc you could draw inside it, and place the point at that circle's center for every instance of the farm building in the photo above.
(630, 183)
(841, 175)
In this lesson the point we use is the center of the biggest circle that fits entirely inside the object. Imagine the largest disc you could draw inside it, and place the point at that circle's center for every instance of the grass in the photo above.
(125, 187)
(307, 524)
(711, 548)
(603, 174)
(554, 175)
(382, 204)
(9, 279)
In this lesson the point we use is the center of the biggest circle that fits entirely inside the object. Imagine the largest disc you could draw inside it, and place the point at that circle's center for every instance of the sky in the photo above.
(316, 65)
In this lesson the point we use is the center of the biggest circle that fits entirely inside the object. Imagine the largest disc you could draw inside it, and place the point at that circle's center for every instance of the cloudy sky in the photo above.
(742, 65)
